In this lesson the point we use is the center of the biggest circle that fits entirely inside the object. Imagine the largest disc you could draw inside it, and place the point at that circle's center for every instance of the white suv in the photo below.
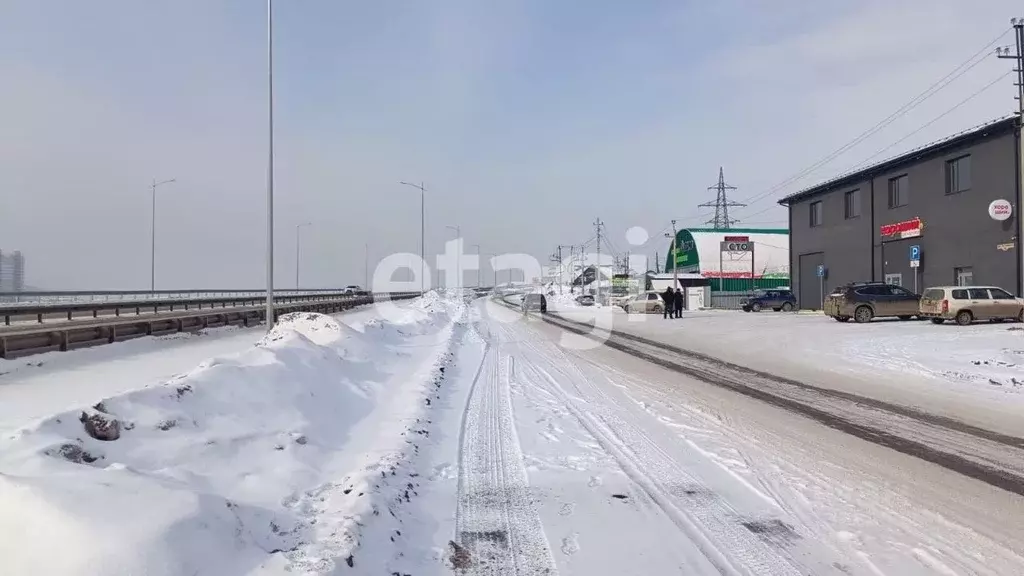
(965, 304)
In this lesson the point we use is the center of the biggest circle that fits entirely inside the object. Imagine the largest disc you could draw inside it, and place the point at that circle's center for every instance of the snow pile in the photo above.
(211, 472)
(563, 301)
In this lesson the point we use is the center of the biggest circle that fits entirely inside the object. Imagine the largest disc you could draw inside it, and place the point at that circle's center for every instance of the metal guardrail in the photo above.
(37, 337)
(69, 296)
(68, 310)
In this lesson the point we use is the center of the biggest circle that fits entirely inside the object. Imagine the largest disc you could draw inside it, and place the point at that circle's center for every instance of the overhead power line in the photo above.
(916, 130)
(935, 88)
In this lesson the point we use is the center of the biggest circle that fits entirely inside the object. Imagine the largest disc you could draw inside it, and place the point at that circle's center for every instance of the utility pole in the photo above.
(1018, 58)
(657, 264)
(721, 221)
(597, 270)
(423, 218)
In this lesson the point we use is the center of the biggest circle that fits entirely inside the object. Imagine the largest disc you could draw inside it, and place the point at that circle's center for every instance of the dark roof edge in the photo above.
(982, 131)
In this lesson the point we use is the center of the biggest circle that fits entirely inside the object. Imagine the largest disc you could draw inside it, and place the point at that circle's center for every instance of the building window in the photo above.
(816, 213)
(894, 280)
(963, 276)
(899, 191)
(958, 175)
(852, 204)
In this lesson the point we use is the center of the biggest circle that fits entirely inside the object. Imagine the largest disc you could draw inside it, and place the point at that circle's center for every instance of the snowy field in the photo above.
(445, 437)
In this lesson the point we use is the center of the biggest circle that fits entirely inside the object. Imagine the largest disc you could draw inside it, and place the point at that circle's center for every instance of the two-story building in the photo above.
(933, 205)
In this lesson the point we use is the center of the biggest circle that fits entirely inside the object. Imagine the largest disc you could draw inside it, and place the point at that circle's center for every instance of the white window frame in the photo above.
(894, 278)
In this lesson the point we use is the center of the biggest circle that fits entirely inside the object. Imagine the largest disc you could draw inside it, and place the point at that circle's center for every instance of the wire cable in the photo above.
(937, 86)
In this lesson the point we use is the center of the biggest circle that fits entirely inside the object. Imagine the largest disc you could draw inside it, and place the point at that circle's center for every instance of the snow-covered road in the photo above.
(636, 469)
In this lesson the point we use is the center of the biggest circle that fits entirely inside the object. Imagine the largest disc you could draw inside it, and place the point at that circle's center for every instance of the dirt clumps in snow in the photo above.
(100, 425)
(459, 557)
(73, 453)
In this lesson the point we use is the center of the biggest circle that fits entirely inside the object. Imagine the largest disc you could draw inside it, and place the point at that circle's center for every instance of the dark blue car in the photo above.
(775, 299)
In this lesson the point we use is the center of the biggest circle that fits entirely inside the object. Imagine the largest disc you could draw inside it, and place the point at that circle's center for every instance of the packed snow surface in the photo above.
(252, 461)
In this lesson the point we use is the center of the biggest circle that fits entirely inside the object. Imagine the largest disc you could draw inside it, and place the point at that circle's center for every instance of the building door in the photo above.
(963, 276)
(809, 290)
(894, 279)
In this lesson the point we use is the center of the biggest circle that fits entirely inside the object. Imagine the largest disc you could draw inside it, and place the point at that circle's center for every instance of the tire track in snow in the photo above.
(992, 458)
(497, 527)
(734, 548)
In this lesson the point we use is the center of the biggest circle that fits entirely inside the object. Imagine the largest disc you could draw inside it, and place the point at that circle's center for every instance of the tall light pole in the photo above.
(423, 212)
(152, 249)
(270, 166)
(477, 246)
(458, 256)
(298, 244)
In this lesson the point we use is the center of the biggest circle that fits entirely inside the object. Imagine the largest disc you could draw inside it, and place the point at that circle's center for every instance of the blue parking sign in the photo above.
(821, 270)
(915, 252)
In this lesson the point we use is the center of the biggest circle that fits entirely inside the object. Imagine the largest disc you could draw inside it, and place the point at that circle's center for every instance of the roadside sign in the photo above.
(821, 270)
(915, 263)
(915, 253)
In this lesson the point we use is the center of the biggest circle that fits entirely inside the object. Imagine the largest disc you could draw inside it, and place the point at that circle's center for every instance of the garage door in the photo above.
(809, 290)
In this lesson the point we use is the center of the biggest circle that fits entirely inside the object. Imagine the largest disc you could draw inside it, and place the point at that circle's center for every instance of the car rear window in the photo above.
(960, 295)
(934, 293)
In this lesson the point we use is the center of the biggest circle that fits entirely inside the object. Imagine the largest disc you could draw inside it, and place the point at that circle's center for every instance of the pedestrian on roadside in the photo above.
(677, 303)
(669, 299)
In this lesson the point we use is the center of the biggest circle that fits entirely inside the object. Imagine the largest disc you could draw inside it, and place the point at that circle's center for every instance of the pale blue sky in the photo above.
(527, 119)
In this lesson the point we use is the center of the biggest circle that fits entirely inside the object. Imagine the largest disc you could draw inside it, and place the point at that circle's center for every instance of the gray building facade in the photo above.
(863, 226)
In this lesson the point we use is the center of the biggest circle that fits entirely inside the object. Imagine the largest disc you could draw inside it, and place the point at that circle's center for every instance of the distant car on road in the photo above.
(585, 300)
(355, 290)
(645, 302)
(864, 301)
(966, 304)
(776, 299)
(532, 302)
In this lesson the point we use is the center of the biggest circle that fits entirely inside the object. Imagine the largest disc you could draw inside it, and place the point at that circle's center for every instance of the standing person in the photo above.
(669, 298)
(677, 303)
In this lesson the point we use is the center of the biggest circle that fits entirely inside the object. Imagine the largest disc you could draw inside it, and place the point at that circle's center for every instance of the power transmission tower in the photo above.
(597, 270)
(721, 204)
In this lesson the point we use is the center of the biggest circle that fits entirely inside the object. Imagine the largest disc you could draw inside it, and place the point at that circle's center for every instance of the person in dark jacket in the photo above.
(669, 298)
(677, 303)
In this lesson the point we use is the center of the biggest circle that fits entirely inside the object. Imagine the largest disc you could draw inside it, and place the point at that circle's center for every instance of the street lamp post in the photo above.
(298, 244)
(458, 256)
(423, 212)
(152, 249)
(270, 316)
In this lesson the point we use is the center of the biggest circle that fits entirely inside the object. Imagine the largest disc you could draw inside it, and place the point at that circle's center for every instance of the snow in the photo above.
(436, 437)
(974, 373)
(256, 461)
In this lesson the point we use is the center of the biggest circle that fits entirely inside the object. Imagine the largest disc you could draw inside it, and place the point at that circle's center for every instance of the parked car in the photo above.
(532, 302)
(585, 300)
(776, 299)
(965, 304)
(645, 302)
(864, 301)
(355, 290)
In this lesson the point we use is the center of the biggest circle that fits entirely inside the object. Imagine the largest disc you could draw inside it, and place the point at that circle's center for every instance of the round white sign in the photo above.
(1000, 210)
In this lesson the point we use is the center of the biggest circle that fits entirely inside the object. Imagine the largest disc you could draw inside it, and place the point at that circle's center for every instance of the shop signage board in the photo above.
(1005, 247)
(737, 239)
(745, 246)
(1000, 210)
(905, 229)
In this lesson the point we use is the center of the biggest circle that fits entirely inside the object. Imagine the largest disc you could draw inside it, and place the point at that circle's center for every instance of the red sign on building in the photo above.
(737, 239)
(906, 229)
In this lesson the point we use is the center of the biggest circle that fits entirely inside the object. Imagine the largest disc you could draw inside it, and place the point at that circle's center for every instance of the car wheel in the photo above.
(1020, 315)
(657, 309)
(964, 317)
(841, 318)
(787, 307)
(904, 318)
(863, 314)
(937, 320)
(755, 307)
